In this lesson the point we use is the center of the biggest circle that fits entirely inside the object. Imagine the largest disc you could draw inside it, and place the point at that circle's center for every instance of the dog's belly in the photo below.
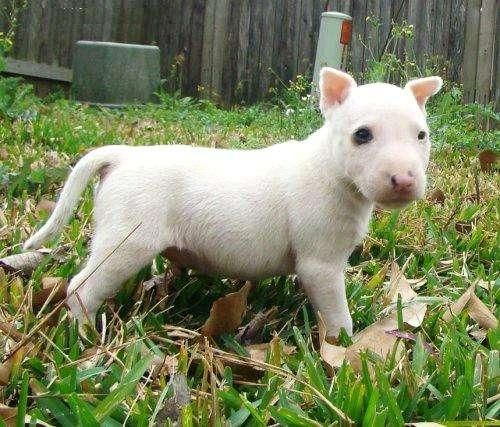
(256, 268)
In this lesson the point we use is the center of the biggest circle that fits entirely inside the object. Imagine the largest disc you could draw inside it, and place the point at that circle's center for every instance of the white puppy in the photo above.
(296, 207)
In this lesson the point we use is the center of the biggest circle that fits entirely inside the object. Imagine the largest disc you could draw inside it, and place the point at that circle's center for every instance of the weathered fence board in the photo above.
(480, 52)
(485, 51)
(239, 49)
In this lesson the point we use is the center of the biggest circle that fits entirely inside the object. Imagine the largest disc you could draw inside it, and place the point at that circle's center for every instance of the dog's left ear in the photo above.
(334, 87)
(423, 89)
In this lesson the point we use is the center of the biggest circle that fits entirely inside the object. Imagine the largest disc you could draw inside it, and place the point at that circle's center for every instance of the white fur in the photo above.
(296, 207)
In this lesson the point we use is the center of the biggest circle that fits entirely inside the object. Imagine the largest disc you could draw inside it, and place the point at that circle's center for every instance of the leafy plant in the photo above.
(147, 357)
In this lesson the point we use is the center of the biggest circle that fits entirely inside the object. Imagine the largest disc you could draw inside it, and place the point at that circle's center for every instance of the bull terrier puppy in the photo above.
(299, 207)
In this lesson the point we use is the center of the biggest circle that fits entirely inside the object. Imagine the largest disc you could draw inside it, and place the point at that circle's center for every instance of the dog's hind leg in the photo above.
(112, 261)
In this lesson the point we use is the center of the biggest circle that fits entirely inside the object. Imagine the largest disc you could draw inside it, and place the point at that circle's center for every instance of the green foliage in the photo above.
(111, 380)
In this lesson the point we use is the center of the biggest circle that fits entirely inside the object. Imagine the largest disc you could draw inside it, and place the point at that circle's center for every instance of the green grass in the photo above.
(64, 379)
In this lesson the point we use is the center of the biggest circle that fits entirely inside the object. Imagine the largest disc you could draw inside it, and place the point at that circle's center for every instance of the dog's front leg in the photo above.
(324, 285)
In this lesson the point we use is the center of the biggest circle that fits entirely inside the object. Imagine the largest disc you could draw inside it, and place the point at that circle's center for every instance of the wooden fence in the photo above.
(481, 65)
(239, 49)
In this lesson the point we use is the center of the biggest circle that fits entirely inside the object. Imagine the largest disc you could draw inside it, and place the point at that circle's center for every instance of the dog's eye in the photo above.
(422, 134)
(362, 136)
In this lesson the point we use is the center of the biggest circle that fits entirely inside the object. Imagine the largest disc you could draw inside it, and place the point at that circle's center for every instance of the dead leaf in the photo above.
(55, 286)
(485, 285)
(413, 312)
(25, 262)
(333, 355)
(437, 196)
(417, 283)
(479, 334)
(45, 205)
(252, 329)
(480, 313)
(8, 330)
(409, 336)
(8, 414)
(227, 312)
(258, 352)
(476, 308)
(373, 338)
(4, 154)
(12, 363)
(5, 370)
(378, 338)
(488, 160)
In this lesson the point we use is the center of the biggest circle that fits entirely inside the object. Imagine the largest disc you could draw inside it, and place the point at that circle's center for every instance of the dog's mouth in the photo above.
(396, 202)
(393, 204)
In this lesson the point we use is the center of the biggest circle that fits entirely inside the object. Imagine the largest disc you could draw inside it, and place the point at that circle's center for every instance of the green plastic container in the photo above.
(115, 74)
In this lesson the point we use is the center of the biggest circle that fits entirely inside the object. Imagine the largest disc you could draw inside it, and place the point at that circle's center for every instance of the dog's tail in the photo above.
(70, 194)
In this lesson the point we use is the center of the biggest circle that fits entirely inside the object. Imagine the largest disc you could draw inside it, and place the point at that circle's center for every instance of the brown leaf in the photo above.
(55, 286)
(378, 338)
(479, 334)
(456, 308)
(227, 312)
(8, 414)
(5, 370)
(333, 355)
(45, 205)
(258, 352)
(488, 160)
(24, 262)
(12, 363)
(480, 313)
(417, 283)
(476, 308)
(413, 312)
(252, 329)
(409, 336)
(484, 284)
(437, 196)
(4, 154)
(374, 338)
(10, 331)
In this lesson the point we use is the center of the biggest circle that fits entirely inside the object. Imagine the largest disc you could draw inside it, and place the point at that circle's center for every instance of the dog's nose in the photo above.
(403, 183)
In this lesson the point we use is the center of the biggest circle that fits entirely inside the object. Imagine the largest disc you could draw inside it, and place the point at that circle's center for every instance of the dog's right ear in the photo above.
(334, 87)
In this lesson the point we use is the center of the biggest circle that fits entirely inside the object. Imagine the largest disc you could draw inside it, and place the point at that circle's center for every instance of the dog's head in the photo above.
(384, 139)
